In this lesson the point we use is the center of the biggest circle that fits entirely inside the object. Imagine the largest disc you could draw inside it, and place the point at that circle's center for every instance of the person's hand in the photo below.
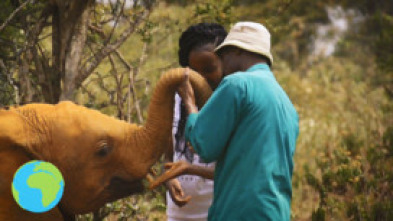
(187, 93)
(176, 192)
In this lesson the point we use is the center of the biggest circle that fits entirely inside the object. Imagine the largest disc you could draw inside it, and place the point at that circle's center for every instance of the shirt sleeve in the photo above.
(210, 130)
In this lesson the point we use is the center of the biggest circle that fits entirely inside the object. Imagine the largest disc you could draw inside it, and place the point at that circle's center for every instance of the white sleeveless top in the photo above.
(199, 188)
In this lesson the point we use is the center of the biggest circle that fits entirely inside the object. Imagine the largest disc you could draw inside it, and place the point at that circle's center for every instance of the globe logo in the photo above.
(37, 186)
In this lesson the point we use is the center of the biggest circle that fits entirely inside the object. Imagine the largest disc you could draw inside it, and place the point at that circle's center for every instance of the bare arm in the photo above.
(172, 184)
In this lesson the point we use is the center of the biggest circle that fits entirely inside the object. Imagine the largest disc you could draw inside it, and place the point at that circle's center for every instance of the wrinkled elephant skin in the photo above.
(102, 159)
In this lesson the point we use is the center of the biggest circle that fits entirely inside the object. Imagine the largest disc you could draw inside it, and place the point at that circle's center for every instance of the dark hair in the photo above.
(197, 36)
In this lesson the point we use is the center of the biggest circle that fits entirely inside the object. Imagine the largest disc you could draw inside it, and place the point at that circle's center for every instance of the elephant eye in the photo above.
(104, 150)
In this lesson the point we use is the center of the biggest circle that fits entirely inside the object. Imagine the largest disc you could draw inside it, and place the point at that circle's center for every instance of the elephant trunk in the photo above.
(154, 138)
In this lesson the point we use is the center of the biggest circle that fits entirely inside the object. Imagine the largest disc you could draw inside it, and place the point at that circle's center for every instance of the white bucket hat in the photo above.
(249, 36)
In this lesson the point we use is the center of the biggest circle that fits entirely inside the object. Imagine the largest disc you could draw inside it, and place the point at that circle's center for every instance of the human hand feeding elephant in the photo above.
(101, 158)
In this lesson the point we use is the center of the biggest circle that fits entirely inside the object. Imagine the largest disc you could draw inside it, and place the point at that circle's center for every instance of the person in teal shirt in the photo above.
(249, 127)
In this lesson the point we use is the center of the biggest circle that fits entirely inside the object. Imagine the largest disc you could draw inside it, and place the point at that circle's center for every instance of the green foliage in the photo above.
(374, 35)
(341, 157)
(384, 42)
(148, 206)
(291, 24)
(12, 39)
(350, 144)
(146, 31)
(215, 11)
(383, 51)
(6, 91)
(356, 187)
(318, 215)
(10, 34)
(178, 2)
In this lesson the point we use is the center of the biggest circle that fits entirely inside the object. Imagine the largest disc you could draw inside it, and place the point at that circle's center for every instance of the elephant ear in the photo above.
(15, 131)
(14, 152)
(12, 129)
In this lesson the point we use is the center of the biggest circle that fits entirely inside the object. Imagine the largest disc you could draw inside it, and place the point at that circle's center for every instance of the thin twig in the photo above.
(131, 92)
(13, 14)
(92, 63)
(142, 60)
(116, 22)
(119, 81)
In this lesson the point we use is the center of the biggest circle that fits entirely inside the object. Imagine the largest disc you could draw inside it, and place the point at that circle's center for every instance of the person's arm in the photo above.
(210, 130)
(172, 184)
(176, 192)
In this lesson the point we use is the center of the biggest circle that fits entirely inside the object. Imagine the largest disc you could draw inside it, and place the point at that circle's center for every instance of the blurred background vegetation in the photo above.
(334, 58)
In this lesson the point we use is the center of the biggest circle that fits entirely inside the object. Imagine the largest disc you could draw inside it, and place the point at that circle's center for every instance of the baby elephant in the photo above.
(102, 159)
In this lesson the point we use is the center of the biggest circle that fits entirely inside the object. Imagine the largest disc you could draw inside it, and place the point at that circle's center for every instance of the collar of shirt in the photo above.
(262, 66)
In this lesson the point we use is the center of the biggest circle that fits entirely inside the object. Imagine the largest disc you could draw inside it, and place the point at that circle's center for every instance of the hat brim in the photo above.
(246, 47)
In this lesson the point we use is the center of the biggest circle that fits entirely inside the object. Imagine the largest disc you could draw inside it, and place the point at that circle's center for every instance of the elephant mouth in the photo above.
(120, 188)
(116, 189)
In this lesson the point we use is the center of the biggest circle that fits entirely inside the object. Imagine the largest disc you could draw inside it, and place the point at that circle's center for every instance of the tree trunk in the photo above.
(61, 74)
(26, 89)
(74, 54)
(69, 25)
(57, 71)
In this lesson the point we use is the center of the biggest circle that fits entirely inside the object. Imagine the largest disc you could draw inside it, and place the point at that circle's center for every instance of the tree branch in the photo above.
(5, 23)
(95, 60)
(116, 22)
(123, 60)
(132, 77)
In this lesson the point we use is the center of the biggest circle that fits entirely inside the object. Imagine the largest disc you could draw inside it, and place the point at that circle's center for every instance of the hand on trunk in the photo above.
(176, 192)
(187, 93)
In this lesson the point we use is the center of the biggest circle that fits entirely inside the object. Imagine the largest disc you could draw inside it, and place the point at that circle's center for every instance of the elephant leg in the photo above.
(11, 159)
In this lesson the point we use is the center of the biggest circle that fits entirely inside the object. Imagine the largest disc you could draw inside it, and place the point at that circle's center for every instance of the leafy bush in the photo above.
(346, 127)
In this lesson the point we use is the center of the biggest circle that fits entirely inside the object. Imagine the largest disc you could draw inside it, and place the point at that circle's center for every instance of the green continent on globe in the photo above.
(15, 192)
(47, 180)
(42, 181)
(49, 168)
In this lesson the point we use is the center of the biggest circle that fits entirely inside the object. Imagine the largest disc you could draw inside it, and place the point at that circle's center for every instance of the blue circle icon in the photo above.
(37, 186)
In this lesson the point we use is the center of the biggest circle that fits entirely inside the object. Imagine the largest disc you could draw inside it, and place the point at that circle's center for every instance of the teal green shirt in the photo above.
(249, 126)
